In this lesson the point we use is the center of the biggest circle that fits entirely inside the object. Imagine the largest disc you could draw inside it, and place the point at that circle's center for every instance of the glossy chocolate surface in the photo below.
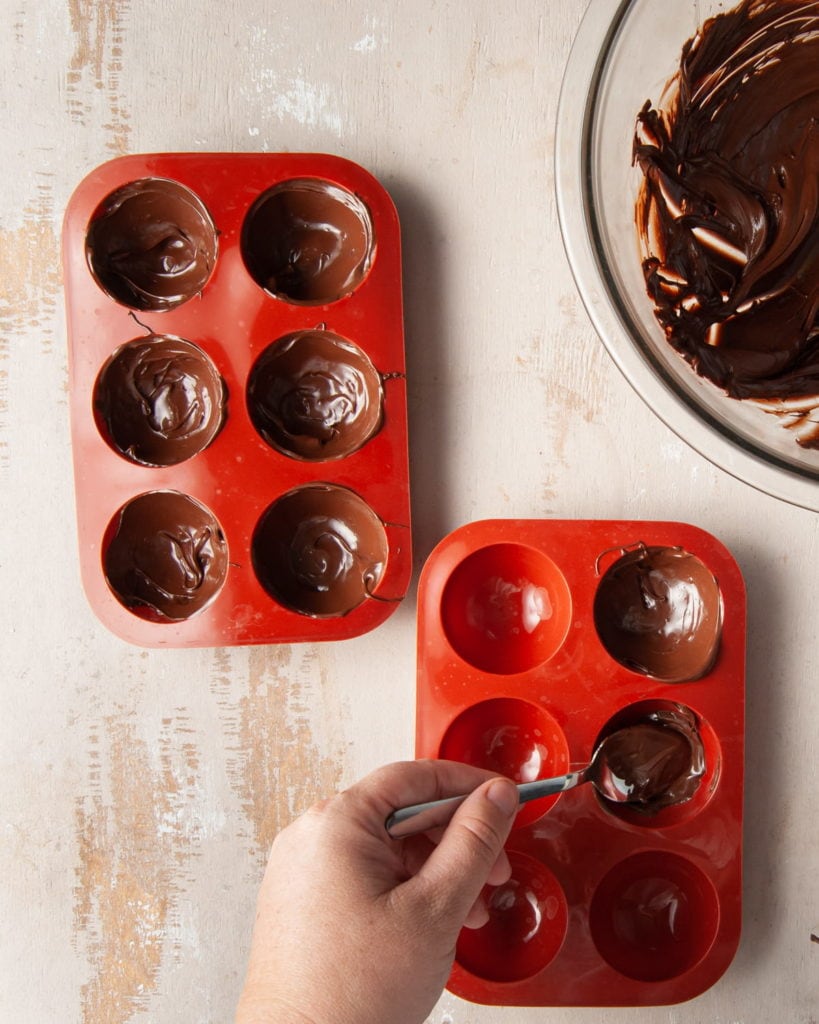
(308, 241)
(160, 399)
(167, 557)
(315, 396)
(729, 211)
(658, 611)
(658, 761)
(152, 245)
(320, 550)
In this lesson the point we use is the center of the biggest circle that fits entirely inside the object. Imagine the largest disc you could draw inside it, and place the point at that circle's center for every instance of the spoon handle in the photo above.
(408, 821)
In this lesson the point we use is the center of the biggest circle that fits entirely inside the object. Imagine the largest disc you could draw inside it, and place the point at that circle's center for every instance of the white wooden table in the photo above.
(141, 789)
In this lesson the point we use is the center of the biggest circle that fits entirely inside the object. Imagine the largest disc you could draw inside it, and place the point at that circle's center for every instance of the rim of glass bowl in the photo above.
(581, 231)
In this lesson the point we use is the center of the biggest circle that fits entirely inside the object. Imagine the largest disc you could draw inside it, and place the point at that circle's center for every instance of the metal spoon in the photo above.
(408, 821)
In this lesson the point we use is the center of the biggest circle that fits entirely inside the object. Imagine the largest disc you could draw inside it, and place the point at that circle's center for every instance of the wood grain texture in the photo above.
(140, 790)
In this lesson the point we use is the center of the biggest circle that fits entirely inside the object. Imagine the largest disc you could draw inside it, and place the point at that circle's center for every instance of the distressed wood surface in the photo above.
(141, 789)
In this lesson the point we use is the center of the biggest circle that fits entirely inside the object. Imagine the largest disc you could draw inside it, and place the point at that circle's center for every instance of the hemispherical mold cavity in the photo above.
(164, 556)
(667, 756)
(528, 917)
(506, 608)
(514, 738)
(307, 241)
(315, 396)
(151, 244)
(159, 400)
(658, 611)
(654, 916)
(320, 550)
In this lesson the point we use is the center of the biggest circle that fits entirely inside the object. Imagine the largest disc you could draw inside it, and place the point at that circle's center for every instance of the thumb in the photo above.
(458, 868)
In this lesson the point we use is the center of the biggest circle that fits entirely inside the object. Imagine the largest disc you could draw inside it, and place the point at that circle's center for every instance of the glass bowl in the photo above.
(624, 53)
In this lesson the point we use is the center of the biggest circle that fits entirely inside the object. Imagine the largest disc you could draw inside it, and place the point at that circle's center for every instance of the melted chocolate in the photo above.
(320, 550)
(658, 611)
(167, 557)
(152, 245)
(314, 396)
(308, 241)
(729, 210)
(658, 761)
(161, 400)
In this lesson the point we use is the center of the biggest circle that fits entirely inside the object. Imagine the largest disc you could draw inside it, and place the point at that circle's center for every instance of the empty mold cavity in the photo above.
(667, 756)
(506, 608)
(313, 395)
(658, 611)
(164, 556)
(151, 244)
(513, 738)
(654, 916)
(526, 927)
(159, 400)
(308, 241)
(320, 550)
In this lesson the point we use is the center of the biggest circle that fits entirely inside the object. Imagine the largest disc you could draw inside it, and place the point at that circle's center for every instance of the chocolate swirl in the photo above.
(320, 550)
(658, 611)
(152, 245)
(167, 558)
(729, 210)
(313, 395)
(308, 241)
(161, 400)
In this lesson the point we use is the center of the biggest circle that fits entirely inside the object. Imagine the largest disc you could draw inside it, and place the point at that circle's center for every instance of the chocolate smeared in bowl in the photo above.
(658, 611)
(315, 396)
(167, 557)
(160, 399)
(728, 214)
(152, 244)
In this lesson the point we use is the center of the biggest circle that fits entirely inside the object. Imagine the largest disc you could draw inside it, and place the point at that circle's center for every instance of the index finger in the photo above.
(404, 783)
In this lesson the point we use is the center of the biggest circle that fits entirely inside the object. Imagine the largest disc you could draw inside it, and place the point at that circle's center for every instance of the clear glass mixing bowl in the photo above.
(624, 53)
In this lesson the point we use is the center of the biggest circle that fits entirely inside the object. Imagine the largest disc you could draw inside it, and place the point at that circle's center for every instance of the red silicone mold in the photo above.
(607, 906)
(237, 315)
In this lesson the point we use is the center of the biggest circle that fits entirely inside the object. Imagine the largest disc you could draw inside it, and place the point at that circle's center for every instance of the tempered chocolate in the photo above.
(658, 611)
(313, 395)
(658, 761)
(167, 557)
(160, 399)
(308, 241)
(152, 245)
(320, 550)
(729, 210)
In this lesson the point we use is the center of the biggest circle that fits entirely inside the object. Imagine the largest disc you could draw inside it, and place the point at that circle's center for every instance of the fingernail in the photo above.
(503, 795)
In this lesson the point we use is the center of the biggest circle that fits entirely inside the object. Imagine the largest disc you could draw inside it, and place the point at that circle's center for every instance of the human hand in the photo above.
(354, 927)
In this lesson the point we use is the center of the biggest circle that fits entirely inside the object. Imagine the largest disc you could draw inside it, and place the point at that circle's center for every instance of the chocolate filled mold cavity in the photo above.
(159, 400)
(165, 556)
(320, 550)
(663, 758)
(658, 611)
(506, 608)
(528, 916)
(308, 241)
(151, 244)
(315, 396)
(511, 737)
(654, 916)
